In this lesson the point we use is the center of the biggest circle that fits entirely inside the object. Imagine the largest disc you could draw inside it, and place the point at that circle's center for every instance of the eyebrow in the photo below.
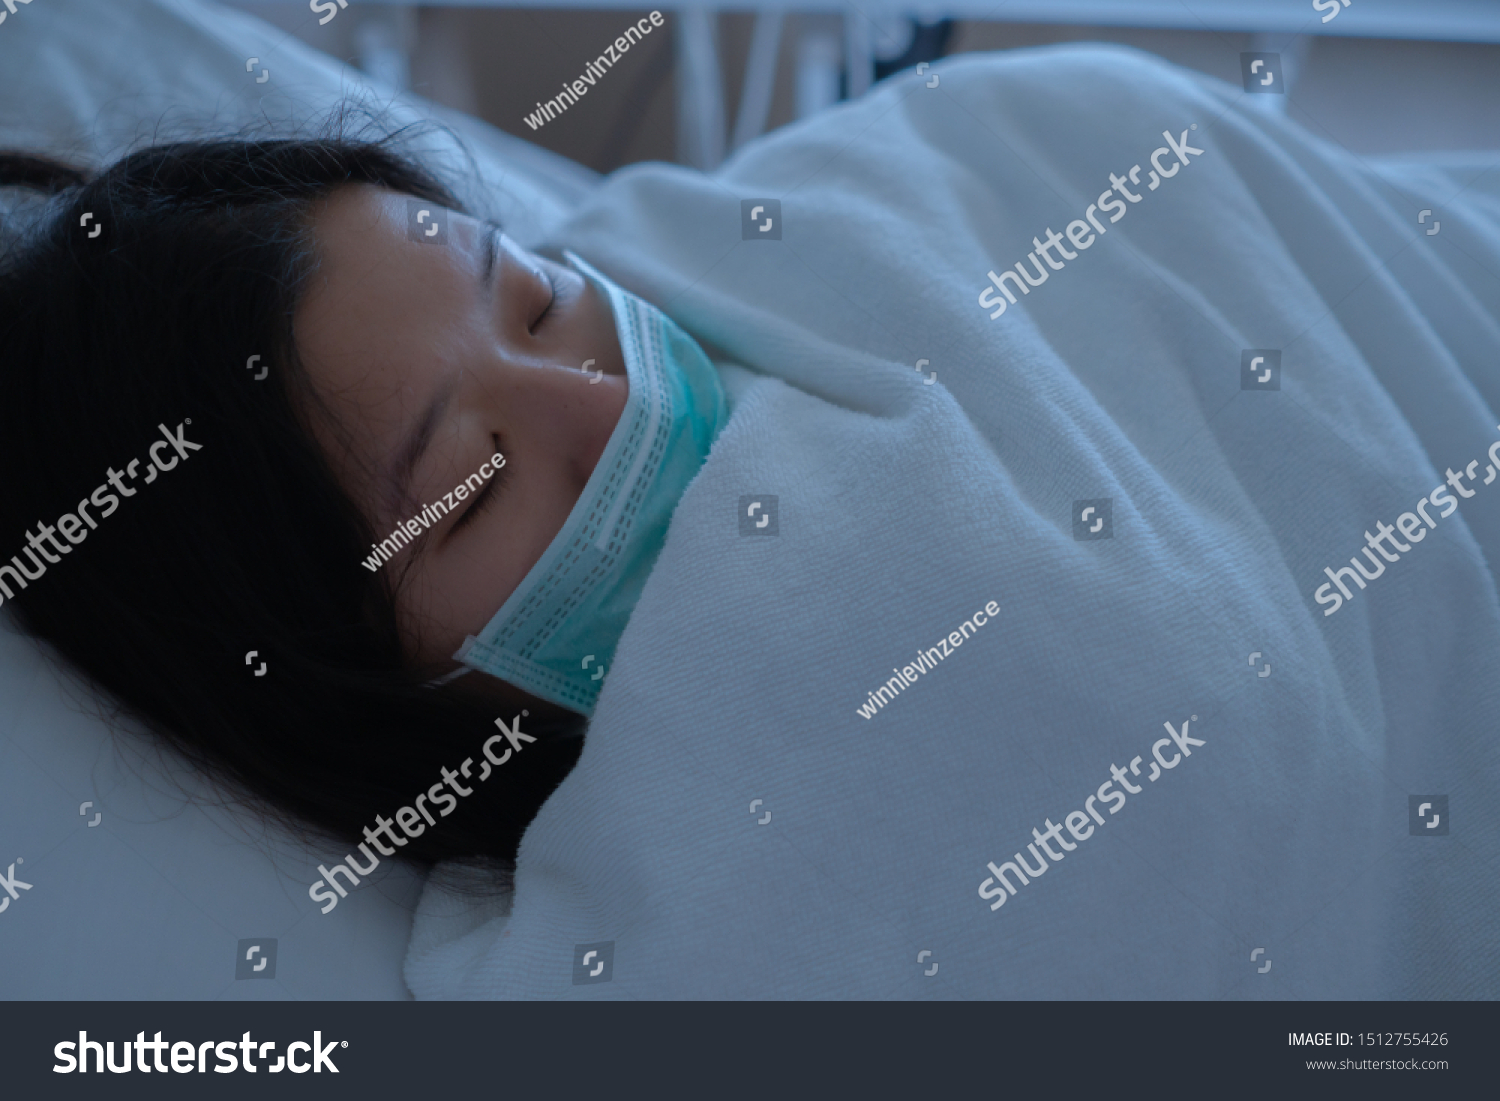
(491, 253)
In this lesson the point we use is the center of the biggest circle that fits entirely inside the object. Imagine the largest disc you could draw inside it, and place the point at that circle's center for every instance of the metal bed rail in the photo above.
(841, 47)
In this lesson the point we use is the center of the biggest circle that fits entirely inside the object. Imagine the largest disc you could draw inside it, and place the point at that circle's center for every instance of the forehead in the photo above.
(375, 280)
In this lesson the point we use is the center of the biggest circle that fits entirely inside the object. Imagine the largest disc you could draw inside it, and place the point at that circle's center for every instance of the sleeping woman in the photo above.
(523, 427)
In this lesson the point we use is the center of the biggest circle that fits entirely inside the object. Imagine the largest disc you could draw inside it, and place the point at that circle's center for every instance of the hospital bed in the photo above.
(140, 885)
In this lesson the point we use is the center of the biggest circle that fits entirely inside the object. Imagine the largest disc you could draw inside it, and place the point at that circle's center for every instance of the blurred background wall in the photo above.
(1371, 95)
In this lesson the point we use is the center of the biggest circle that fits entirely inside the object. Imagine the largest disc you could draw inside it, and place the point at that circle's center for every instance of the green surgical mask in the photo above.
(555, 637)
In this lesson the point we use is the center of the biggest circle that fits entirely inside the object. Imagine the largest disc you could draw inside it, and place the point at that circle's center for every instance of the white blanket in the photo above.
(738, 828)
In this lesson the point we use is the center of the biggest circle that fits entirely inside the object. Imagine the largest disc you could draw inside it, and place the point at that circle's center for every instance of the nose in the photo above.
(524, 289)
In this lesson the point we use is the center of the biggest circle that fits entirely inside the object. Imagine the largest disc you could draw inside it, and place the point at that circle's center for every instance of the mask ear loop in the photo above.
(463, 652)
(448, 678)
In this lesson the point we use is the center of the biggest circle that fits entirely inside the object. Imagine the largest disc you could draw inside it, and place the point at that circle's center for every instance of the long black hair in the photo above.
(135, 298)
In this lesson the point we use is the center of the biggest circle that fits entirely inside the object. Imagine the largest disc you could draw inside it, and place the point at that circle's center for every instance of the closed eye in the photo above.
(551, 301)
(486, 497)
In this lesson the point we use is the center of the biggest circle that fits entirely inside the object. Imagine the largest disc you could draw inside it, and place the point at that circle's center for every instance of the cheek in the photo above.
(602, 415)
(457, 596)
(598, 332)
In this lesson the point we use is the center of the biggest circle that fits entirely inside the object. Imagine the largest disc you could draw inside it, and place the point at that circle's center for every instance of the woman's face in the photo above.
(432, 358)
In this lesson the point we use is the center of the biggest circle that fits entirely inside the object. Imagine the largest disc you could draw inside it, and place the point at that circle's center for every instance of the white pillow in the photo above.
(156, 899)
(88, 79)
